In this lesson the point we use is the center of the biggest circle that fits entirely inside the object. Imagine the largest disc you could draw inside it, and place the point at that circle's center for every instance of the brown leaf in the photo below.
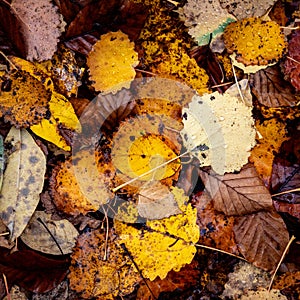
(83, 44)
(292, 209)
(237, 194)
(187, 277)
(31, 270)
(261, 238)
(271, 89)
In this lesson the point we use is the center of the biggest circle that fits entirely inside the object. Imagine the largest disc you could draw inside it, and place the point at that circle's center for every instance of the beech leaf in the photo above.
(37, 237)
(271, 89)
(23, 181)
(262, 238)
(237, 193)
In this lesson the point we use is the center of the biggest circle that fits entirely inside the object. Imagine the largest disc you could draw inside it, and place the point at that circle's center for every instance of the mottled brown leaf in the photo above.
(237, 193)
(31, 270)
(261, 238)
(271, 89)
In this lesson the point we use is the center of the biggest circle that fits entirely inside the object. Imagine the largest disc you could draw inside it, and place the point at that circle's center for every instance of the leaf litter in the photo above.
(85, 183)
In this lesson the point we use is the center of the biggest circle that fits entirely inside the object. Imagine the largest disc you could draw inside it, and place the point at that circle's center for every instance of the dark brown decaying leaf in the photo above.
(292, 209)
(31, 270)
(271, 89)
(261, 238)
(237, 194)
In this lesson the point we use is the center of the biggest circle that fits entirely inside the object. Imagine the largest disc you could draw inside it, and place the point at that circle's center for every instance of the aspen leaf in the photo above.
(219, 131)
(76, 187)
(101, 269)
(112, 62)
(144, 142)
(41, 26)
(62, 113)
(25, 102)
(162, 245)
(255, 41)
(38, 238)
(23, 181)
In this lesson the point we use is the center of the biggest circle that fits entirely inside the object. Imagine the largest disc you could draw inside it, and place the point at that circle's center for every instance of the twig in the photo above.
(146, 72)
(218, 250)
(294, 60)
(4, 233)
(237, 83)
(6, 287)
(222, 84)
(281, 259)
(291, 28)
(8, 60)
(173, 2)
(52, 236)
(286, 192)
(149, 172)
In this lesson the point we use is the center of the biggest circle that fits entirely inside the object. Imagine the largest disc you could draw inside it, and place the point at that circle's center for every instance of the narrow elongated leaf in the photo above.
(237, 194)
(23, 181)
(262, 238)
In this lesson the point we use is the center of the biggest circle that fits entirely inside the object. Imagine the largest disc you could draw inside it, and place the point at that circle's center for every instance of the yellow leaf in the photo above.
(162, 245)
(145, 142)
(255, 41)
(62, 113)
(112, 62)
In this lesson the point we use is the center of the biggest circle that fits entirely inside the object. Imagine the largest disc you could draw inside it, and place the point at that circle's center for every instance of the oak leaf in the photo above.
(271, 89)
(111, 62)
(41, 25)
(23, 181)
(237, 194)
(25, 100)
(262, 238)
(161, 245)
(101, 268)
(212, 131)
(273, 134)
(255, 41)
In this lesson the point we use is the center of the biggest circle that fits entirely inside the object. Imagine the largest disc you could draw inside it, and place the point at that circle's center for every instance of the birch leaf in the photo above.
(38, 238)
(218, 130)
(23, 181)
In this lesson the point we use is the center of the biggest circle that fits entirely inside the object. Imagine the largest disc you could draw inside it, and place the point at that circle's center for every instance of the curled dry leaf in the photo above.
(161, 245)
(145, 142)
(262, 238)
(156, 201)
(212, 131)
(204, 18)
(41, 25)
(24, 101)
(80, 184)
(273, 134)
(242, 9)
(101, 269)
(255, 41)
(37, 237)
(237, 193)
(271, 89)
(112, 62)
(23, 181)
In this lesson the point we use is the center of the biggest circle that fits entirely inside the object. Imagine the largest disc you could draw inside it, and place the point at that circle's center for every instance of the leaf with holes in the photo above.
(262, 238)
(23, 181)
(237, 193)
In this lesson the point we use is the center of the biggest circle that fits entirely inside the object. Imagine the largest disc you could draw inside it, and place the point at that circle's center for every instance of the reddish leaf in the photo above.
(292, 63)
(261, 238)
(271, 89)
(292, 209)
(31, 270)
(237, 194)
(83, 44)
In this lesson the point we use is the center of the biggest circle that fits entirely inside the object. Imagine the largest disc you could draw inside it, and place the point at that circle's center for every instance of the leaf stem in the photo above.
(6, 287)
(286, 192)
(281, 259)
(8, 60)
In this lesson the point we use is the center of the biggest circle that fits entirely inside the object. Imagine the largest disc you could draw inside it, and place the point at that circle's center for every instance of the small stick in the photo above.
(6, 287)
(173, 2)
(222, 84)
(146, 72)
(294, 60)
(286, 192)
(291, 28)
(281, 259)
(14, 67)
(237, 83)
(4, 233)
